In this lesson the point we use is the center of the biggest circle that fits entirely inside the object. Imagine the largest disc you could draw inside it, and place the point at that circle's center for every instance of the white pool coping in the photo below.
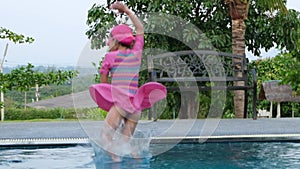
(166, 131)
(43, 141)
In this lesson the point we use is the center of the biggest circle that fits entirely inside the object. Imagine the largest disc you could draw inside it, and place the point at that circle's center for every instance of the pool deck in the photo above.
(162, 131)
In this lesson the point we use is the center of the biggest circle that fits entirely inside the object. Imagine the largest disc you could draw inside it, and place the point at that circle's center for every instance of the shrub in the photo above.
(55, 113)
(31, 113)
(91, 114)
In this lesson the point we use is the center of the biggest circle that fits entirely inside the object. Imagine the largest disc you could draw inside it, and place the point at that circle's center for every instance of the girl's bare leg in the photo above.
(130, 124)
(111, 123)
(129, 128)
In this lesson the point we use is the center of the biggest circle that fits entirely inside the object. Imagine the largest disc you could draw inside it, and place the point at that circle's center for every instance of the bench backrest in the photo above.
(200, 66)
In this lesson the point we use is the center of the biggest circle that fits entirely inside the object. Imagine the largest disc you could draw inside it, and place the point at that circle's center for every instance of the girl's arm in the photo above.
(103, 78)
(135, 20)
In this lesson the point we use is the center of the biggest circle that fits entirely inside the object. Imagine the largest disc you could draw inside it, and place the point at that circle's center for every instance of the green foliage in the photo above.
(205, 101)
(271, 5)
(97, 67)
(4, 82)
(264, 29)
(29, 114)
(172, 106)
(23, 78)
(16, 38)
(204, 24)
(91, 114)
(282, 67)
(268, 31)
(293, 74)
(15, 98)
(55, 113)
(164, 18)
(99, 21)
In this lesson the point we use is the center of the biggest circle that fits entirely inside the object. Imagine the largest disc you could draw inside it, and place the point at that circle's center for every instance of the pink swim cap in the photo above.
(122, 33)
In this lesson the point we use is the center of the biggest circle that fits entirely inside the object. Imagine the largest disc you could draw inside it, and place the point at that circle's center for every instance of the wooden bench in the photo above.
(203, 70)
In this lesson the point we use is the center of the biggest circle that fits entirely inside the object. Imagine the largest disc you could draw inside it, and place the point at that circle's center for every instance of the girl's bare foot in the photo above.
(135, 155)
(115, 158)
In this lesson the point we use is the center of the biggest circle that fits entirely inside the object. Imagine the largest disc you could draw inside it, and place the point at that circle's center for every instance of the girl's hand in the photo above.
(122, 8)
(119, 6)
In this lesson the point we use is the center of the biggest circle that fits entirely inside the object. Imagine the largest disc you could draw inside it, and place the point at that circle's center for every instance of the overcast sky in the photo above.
(58, 27)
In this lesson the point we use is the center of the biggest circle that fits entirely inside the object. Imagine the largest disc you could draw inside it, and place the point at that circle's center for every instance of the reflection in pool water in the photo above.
(207, 155)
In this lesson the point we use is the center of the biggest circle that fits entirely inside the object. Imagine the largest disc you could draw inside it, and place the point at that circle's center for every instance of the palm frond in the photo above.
(272, 5)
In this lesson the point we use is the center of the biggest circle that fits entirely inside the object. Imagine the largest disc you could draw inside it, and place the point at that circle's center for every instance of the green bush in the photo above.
(91, 114)
(31, 113)
(55, 113)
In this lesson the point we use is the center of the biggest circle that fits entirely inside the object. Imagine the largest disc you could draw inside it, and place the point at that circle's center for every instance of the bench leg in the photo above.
(254, 104)
(246, 104)
(155, 112)
(150, 114)
(254, 101)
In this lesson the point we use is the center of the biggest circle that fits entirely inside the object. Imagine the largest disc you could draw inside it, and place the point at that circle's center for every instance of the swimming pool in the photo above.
(189, 156)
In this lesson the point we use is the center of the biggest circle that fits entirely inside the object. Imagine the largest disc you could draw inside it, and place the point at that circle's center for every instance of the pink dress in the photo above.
(123, 91)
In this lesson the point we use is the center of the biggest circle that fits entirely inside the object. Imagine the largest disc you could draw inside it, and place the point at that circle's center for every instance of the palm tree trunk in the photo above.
(238, 48)
(238, 12)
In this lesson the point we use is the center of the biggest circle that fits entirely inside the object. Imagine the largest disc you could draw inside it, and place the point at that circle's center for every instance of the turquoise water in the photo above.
(188, 156)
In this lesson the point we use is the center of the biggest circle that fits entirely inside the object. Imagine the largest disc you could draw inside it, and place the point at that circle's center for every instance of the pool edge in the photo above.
(228, 138)
(42, 142)
(8, 142)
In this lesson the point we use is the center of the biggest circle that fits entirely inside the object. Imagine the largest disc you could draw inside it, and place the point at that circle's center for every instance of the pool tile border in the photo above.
(42, 141)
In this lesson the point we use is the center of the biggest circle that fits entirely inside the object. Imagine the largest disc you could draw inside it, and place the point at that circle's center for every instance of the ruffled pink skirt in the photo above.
(107, 95)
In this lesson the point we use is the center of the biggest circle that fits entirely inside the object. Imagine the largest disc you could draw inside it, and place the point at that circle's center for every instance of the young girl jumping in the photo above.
(122, 97)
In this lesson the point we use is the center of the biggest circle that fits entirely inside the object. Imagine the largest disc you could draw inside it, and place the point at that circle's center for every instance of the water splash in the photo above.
(133, 154)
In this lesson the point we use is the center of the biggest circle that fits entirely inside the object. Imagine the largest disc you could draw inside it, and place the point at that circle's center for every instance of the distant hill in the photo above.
(40, 68)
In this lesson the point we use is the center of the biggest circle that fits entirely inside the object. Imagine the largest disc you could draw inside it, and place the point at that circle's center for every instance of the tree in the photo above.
(225, 31)
(239, 13)
(279, 67)
(16, 38)
(24, 78)
(292, 76)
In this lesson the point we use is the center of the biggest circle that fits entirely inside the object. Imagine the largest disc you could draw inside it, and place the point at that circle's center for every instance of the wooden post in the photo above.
(37, 94)
(293, 113)
(271, 108)
(1, 90)
(278, 110)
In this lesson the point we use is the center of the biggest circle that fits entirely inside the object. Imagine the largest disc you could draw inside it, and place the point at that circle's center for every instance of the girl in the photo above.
(122, 98)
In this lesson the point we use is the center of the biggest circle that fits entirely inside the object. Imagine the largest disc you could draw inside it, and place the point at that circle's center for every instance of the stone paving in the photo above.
(161, 131)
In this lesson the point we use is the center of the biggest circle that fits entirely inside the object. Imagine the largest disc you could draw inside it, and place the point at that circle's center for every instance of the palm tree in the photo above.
(239, 13)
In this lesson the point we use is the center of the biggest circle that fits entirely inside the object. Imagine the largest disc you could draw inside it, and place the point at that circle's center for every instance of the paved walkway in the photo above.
(162, 131)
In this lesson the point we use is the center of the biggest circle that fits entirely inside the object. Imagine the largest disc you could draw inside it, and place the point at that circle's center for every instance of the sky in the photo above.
(58, 27)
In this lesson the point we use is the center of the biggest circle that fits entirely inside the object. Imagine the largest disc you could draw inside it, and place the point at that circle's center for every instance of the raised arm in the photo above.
(122, 8)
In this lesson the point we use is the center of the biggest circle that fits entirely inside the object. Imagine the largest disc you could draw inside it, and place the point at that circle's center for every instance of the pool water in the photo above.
(51, 157)
(231, 155)
(189, 156)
